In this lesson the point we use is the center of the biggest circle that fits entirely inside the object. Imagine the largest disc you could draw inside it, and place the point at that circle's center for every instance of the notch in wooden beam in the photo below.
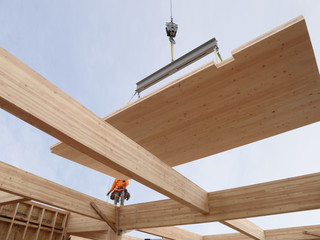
(312, 234)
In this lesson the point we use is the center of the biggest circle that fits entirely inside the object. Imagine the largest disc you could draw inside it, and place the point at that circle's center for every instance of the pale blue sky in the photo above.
(97, 50)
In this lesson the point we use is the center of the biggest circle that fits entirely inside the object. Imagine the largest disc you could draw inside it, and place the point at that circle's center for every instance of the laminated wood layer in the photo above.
(270, 85)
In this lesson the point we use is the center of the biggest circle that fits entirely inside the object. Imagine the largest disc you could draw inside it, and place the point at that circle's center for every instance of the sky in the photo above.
(97, 50)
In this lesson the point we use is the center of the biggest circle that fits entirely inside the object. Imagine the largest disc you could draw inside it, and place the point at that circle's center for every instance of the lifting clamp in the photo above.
(171, 29)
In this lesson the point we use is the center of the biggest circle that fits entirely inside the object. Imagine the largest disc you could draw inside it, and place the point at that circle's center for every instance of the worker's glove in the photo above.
(108, 193)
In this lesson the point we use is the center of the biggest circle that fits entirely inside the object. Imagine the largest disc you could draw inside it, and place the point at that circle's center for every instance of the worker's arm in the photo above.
(113, 186)
(126, 183)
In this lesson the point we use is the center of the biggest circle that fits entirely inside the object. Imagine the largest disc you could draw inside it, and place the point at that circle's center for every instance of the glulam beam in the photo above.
(275, 197)
(172, 233)
(30, 97)
(78, 223)
(293, 233)
(27, 185)
(100, 235)
(246, 227)
(8, 198)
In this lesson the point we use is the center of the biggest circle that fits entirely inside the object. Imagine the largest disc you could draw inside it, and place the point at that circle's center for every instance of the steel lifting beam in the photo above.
(177, 65)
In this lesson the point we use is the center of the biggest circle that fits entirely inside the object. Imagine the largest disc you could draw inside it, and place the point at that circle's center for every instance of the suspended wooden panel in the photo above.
(271, 85)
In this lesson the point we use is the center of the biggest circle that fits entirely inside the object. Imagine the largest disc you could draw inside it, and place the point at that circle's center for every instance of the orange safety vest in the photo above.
(119, 185)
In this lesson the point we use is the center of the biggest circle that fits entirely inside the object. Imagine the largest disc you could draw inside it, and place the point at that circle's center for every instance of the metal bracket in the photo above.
(177, 65)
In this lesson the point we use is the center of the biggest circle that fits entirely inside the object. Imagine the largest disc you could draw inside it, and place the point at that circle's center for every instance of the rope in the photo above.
(133, 97)
(172, 52)
(220, 56)
(215, 53)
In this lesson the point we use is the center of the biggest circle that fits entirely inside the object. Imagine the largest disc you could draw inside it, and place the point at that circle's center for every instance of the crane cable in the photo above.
(217, 54)
(133, 97)
(172, 57)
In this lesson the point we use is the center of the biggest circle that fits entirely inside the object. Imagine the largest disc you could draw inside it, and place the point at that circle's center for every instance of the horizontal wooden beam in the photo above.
(8, 198)
(64, 150)
(281, 196)
(99, 235)
(77, 238)
(29, 96)
(172, 233)
(27, 185)
(127, 237)
(294, 233)
(78, 223)
(246, 227)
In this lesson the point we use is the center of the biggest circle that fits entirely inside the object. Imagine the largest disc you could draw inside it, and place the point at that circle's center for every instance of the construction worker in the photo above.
(119, 191)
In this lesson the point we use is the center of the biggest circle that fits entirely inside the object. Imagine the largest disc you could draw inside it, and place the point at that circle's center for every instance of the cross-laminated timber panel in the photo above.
(29, 96)
(270, 85)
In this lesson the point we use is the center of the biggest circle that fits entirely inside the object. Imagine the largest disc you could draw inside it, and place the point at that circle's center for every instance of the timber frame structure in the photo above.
(269, 86)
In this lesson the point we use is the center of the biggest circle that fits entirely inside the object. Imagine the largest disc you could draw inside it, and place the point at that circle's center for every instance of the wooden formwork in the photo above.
(32, 221)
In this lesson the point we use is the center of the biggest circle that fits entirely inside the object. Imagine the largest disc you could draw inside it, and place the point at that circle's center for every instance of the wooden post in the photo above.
(53, 225)
(11, 224)
(40, 222)
(112, 235)
(64, 224)
(27, 224)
